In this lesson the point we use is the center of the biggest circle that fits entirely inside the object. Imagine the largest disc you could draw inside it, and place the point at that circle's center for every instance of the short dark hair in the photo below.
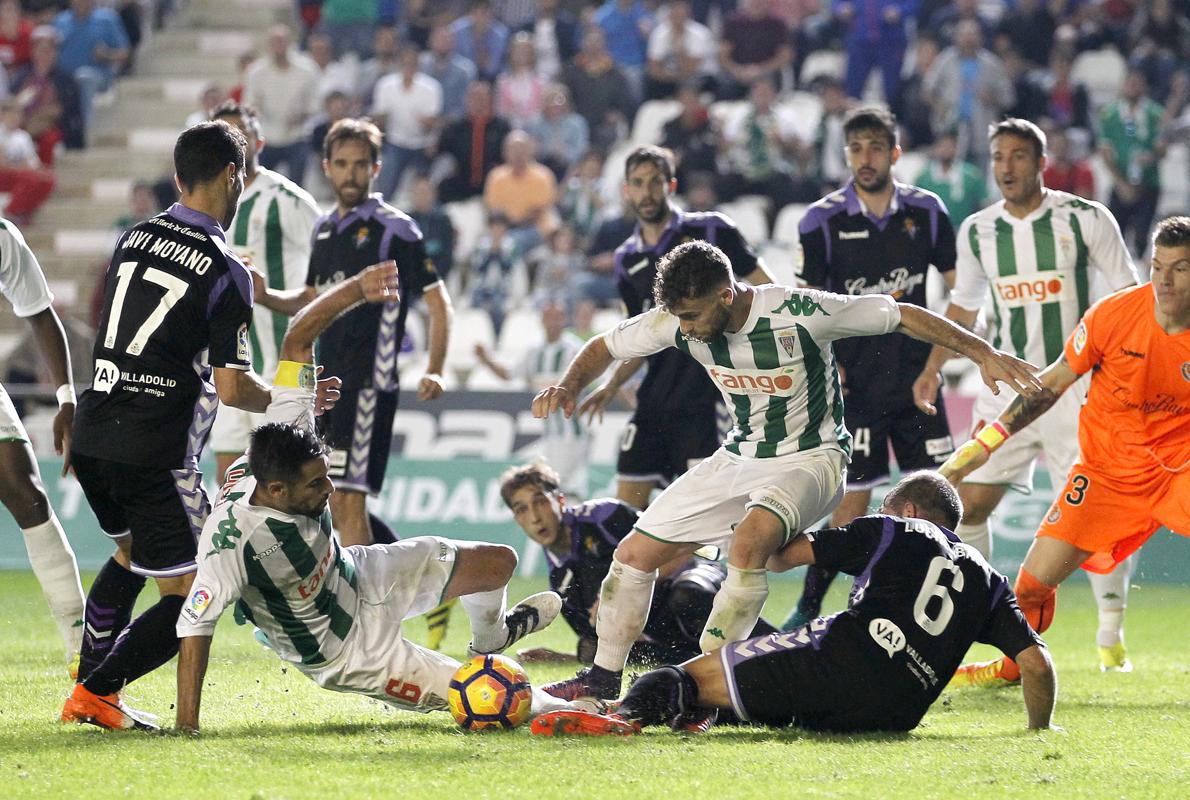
(660, 157)
(936, 500)
(203, 152)
(539, 474)
(690, 271)
(1022, 128)
(278, 450)
(1172, 232)
(871, 119)
(249, 115)
(353, 130)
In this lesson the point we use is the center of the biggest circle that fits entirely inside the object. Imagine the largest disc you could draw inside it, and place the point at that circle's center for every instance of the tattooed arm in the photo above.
(1055, 379)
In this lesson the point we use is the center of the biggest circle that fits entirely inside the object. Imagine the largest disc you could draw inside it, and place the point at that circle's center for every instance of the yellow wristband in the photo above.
(295, 375)
(992, 436)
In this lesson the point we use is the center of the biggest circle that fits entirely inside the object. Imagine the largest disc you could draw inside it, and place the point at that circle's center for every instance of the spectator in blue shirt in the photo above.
(94, 45)
(481, 39)
(627, 25)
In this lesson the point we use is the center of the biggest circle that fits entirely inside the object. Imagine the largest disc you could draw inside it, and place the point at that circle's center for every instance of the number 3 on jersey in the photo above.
(174, 287)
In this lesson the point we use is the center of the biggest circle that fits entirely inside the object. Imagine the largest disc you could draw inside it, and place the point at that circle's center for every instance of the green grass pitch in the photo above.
(271, 733)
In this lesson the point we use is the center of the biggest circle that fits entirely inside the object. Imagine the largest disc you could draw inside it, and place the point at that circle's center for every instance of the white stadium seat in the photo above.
(785, 226)
(822, 63)
(471, 326)
(605, 319)
(749, 216)
(651, 118)
(1102, 72)
(522, 330)
(469, 220)
(910, 165)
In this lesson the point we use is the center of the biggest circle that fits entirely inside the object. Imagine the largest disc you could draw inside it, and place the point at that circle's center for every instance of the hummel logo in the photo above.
(638, 266)
(852, 235)
(1133, 353)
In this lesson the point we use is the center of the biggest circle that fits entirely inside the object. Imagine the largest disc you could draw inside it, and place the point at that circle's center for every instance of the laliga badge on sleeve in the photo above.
(196, 604)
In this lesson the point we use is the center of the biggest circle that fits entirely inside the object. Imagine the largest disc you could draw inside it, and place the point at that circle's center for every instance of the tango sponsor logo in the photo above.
(1018, 293)
(744, 381)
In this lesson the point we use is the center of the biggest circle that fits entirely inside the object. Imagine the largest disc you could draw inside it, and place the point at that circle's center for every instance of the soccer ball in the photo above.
(490, 692)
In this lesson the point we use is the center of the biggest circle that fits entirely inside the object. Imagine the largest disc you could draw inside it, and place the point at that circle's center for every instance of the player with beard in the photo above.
(172, 344)
(361, 346)
(875, 235)
(782, 467)
(1044, 257)
(676, 422)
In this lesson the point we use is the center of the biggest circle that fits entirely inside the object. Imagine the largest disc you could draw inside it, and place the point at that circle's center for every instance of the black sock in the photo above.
(818, 581)
(109, 608)
(145, 645)
(381, 533)
(657, 697)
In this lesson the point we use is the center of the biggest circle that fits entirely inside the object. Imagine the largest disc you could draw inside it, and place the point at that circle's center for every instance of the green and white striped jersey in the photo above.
(273, 227)
(544, 365)
(293, 578)
(1040, 270)
(777, 373)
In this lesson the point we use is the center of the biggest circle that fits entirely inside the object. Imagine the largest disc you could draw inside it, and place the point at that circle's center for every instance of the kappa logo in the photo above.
(226, 535)
(801, 305)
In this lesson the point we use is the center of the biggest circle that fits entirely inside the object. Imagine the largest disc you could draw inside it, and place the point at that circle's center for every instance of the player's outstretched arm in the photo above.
(376, 284)
(588, 365)
(995, 366)
(925, 388)
(441, 316)
(594, 403)
(1039, 683)
(194, 652)
(797, 553)
(1055, 379)
(51, 340)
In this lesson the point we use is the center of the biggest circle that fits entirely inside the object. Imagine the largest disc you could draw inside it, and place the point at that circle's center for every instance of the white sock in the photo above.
(624, 600)
(58, 573)
(543, 702)
(978, 536)
(737, 607)
(486, 612)
(1111, 595)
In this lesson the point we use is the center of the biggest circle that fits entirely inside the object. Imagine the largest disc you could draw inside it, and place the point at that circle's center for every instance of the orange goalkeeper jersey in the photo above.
(1136, 422)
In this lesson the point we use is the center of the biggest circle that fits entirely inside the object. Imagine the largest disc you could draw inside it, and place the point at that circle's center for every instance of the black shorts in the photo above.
(788, 681)
(918, 440)
(359, 431)
(660, 446)
(163, 510)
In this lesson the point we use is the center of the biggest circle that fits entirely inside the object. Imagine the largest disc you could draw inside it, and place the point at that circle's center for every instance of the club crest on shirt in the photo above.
(910, 227)
(1186, 370)
(788, 343)
(361, 237)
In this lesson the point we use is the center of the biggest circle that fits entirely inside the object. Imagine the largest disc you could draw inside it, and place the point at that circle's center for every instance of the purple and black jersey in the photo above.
(920, 599)
(679, 608)
(845, 249)
(361, 346)
(177, 302)
(674, 380)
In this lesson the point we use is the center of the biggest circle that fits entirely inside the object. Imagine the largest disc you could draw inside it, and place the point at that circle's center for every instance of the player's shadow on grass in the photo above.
(395, 725)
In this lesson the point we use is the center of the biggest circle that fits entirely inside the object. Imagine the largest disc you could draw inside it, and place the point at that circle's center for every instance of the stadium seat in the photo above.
(1174, 168)
(613, 169)
(1102, 72)
(521, 330)
(1103, 178)
(483, 379)
(605, 319)
(470, 221)
(785, 227)
(807, 110)
(471, 326)
(781, 260)
(651, 118)
(723, 111)
(748, 213)
(823, 63)
(910, 165)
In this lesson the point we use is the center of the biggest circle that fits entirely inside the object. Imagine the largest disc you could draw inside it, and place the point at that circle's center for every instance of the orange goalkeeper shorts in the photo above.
(1112, 521)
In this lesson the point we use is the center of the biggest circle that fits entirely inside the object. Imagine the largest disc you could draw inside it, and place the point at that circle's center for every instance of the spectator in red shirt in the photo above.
(15, 33)
(1064, 173)
(49, 98)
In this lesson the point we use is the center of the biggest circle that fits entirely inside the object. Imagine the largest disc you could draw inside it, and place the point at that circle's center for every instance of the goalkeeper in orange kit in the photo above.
(1133, 472)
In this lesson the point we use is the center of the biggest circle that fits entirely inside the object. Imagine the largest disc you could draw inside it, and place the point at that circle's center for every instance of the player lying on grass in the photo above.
(579, 542)
(920, 599)
(783, 465)
(1133, 472)
(335, 612)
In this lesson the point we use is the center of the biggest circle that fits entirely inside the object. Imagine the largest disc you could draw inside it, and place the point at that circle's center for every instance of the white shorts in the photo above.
(230, 432)
(704, 505)
(396, 582)
(1054, 433)
(11, 427)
